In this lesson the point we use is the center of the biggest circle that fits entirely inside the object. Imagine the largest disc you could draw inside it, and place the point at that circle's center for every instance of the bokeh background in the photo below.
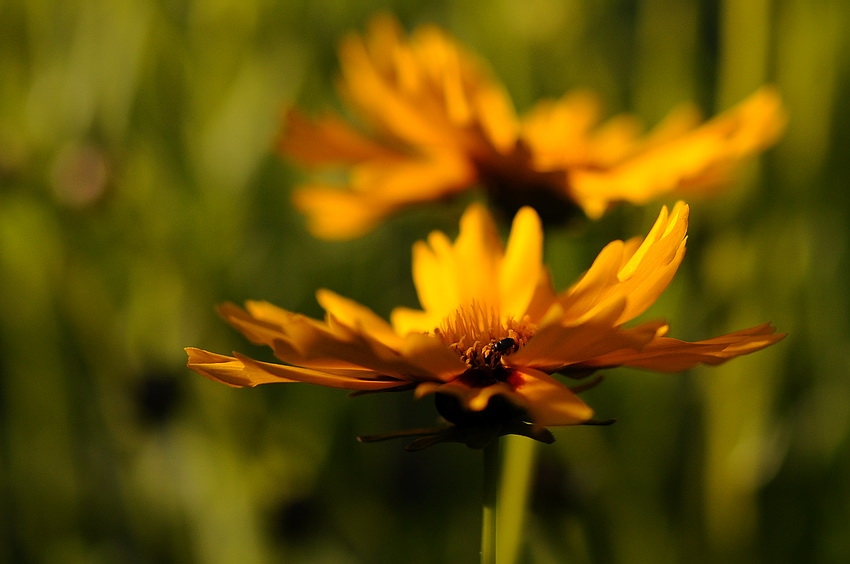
(138, 189)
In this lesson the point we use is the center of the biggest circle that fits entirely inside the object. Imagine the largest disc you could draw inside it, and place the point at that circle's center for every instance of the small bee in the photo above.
(504, 346)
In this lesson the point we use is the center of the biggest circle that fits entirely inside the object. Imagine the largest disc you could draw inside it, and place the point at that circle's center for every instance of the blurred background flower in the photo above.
(433, 124)
(138, 187)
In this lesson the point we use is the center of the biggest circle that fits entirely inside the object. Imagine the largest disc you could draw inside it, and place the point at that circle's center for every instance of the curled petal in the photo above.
(636, 273)
(240, 371)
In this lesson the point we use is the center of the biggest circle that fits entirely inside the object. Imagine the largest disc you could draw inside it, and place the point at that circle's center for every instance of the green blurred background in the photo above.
(138, 189)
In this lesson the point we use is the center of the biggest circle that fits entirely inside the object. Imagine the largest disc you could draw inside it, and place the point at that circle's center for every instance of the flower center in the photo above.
(480, 338)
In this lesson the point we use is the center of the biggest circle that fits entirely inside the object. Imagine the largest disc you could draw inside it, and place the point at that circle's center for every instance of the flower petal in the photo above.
(557, 131)
(359, 318)
(432, 356)
(519, 272)
(672, 355)
(472, 398)
(547, 401)
(477, 254)
(240, 371)
(636, 273)
(694, 160)
(328, 140)
(370, 89)
(555, 346)
(337, 214)
(444, 274)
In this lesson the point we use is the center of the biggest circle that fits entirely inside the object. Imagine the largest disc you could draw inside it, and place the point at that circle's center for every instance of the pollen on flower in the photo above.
(480, 337)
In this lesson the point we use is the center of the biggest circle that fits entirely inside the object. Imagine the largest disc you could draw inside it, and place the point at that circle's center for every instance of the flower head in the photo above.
(434, 123)
(491, 331)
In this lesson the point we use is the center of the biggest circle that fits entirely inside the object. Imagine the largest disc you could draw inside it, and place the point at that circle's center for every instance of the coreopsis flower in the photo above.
(491, 332)
(433, 123)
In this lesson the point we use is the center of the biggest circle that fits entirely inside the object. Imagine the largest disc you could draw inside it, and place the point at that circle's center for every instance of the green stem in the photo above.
(492, 467)
(519, 460)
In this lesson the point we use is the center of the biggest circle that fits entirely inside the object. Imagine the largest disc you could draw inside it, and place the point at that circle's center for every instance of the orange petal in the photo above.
(229, 370)
(378, 99)
(672, 355)
(555, 346)
(328, 140)
(349, 380)
(549, 402)
(495, 116)
(557, 131)
(336, 214)
(431, 355)
(695, 159)
(472, 398)
(241, 371)
(546, 400)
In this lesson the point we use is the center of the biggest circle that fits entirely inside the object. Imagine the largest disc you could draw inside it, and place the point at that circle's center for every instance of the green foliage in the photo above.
(138, 188)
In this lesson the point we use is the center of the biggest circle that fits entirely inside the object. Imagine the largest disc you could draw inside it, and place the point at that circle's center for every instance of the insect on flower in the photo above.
(491, 333)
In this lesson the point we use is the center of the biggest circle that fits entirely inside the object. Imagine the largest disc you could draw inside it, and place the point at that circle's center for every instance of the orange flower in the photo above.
(434, 123)
(491, 331)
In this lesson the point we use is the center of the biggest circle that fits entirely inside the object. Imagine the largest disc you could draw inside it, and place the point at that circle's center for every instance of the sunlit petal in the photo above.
(519, 271)
(548, 401)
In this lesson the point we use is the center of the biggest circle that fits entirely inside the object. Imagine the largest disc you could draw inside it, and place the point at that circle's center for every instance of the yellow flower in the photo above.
(434, 123)
(491, 331)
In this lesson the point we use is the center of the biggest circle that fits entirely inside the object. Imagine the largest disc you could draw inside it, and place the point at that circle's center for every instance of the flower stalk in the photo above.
(489, 515)
(517, 474)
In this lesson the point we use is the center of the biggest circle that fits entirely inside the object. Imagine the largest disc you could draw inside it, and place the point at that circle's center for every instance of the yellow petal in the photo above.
(335, 214)
(432, 356)
(653, 265)
(359, 318)
(496, 117)
(378, 99)
(258, 330)
(477, 254)
(693, 160)
(405, 320)
(548, 402)
(519, 272)
(557, 130)
(635, 273)
(448, 275)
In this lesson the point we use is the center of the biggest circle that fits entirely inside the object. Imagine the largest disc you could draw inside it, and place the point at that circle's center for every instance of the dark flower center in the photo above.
(498, 411)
